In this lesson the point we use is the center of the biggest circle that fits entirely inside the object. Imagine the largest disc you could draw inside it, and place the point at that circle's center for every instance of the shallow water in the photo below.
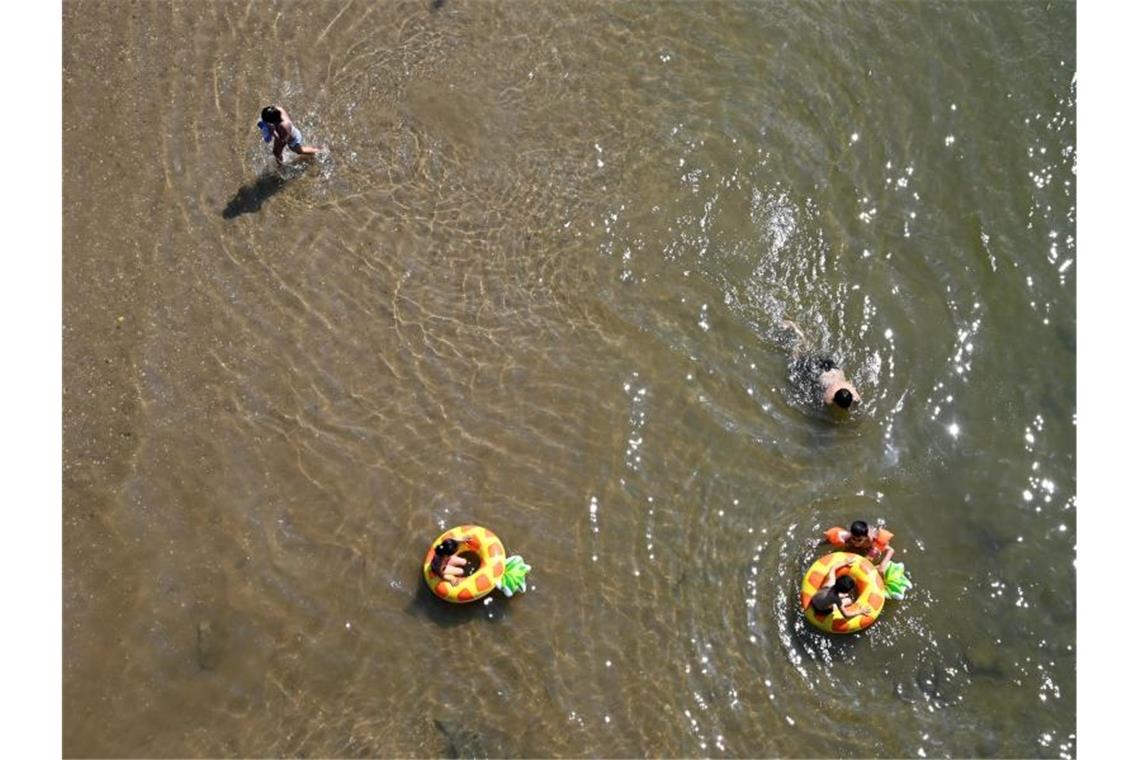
(537, 284)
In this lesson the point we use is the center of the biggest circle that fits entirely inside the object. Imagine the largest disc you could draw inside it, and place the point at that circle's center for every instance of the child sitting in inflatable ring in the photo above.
(861, 537)
(446, 563)
(837, 595)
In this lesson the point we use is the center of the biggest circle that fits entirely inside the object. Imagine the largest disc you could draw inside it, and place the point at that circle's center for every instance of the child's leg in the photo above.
(305, 150)
(456, 567)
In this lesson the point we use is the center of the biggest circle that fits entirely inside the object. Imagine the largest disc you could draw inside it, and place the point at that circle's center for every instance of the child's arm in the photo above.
(278, 147)
(862, 609)
(830, 578)
(831, 572)
(281, 132)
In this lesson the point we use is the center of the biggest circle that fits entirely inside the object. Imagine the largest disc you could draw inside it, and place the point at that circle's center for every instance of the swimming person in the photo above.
(276, 124)
(829, 385)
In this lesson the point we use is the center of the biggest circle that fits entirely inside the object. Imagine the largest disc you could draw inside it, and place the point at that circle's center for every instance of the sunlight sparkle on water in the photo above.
(953, 429)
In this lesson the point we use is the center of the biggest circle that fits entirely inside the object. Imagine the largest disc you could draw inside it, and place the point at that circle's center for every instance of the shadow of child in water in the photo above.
(249, 198)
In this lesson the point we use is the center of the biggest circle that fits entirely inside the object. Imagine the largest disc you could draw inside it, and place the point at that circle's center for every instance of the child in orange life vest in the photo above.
(275, 124)
(876, 541)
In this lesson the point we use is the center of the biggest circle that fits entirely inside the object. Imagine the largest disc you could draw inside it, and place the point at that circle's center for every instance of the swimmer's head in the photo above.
(844, 584)
(447, 547)
(859, 533)
(843, 398)
(271, 115)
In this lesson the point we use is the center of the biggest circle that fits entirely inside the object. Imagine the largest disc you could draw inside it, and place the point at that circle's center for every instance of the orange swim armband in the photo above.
(833, 536)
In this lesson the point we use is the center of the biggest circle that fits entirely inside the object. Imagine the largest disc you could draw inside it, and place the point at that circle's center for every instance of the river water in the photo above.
(537, 284)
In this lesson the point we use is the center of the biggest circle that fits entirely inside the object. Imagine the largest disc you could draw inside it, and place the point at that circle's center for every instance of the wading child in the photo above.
(275, 124)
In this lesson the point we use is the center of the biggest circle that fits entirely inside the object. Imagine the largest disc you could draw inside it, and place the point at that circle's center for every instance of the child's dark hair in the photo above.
(271, 115)
(844, 584)
(843, 398)
(445, 549)
(859, 528)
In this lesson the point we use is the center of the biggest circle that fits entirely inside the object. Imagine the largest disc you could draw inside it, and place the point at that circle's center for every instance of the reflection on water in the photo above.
(539, 285)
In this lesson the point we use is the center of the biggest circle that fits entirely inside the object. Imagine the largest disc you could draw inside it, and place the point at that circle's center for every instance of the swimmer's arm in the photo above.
(887, 555)
(281, 132)
(830, 578)
(794, 327)
(831, 572)
(862, 609)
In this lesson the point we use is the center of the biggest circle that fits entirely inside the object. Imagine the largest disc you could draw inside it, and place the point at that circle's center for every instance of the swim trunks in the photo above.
(295, 138)
(823, 601)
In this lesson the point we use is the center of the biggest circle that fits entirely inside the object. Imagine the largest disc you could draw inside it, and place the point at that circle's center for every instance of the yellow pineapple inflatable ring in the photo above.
(492, 563)
(868, 583)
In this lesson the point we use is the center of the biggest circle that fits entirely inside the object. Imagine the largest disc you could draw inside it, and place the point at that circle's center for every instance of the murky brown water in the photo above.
(536, 284)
